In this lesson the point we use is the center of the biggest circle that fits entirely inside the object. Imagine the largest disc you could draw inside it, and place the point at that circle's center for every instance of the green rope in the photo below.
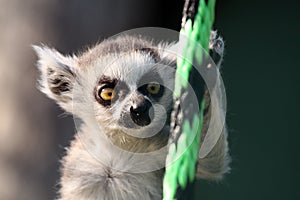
(183, 167)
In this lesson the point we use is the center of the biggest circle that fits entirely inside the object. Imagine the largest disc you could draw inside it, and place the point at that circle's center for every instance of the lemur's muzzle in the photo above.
(140, 112)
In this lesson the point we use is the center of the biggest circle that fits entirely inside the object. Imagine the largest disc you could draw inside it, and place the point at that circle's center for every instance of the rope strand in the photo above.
(196, 28)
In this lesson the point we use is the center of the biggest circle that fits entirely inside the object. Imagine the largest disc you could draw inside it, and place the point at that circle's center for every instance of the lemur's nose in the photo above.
(139, 112)
(141, 108)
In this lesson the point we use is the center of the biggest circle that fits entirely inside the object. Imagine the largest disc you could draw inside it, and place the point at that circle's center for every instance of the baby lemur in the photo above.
(120, 93)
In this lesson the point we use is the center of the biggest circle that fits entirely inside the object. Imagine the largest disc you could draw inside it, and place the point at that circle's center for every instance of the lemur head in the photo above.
(124, 84)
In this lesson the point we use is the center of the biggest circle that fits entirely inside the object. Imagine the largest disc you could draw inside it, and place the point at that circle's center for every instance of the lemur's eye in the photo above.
(153, 88)
(107, 94)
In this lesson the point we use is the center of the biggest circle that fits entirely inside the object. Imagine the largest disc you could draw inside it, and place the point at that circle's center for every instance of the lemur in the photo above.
(113, 88)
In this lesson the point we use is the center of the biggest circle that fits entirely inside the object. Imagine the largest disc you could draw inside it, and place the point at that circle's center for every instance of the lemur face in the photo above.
(125, 84)
(134, 92)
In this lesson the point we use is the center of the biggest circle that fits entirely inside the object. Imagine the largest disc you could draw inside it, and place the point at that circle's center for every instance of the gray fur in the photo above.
(71, 82)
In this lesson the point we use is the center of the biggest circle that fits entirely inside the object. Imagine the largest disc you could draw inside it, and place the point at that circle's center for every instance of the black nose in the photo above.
(139, 112)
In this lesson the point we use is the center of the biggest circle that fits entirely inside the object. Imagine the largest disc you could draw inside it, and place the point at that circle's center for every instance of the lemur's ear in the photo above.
(57, 75)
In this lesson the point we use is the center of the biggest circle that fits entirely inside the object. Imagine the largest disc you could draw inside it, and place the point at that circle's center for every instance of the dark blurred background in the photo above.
(260, 71)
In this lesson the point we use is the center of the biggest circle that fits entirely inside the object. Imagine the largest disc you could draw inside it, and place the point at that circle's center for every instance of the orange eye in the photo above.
(153, 88)
(107, 94)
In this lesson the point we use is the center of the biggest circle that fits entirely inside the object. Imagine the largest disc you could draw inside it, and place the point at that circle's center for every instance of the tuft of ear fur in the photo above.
(57, 75)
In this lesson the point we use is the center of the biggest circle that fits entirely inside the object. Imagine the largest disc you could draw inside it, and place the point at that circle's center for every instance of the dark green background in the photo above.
(261, 75)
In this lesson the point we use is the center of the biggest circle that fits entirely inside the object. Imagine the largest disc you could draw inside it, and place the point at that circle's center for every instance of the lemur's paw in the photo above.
(216, 46)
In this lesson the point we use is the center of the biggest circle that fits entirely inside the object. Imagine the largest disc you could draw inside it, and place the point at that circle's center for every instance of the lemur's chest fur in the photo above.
(85, 177)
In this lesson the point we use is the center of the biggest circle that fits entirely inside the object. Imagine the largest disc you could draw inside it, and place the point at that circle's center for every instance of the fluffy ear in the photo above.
(57, 75)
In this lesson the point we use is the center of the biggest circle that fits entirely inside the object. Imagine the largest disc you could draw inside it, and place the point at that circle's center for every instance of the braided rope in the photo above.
(183, 167)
